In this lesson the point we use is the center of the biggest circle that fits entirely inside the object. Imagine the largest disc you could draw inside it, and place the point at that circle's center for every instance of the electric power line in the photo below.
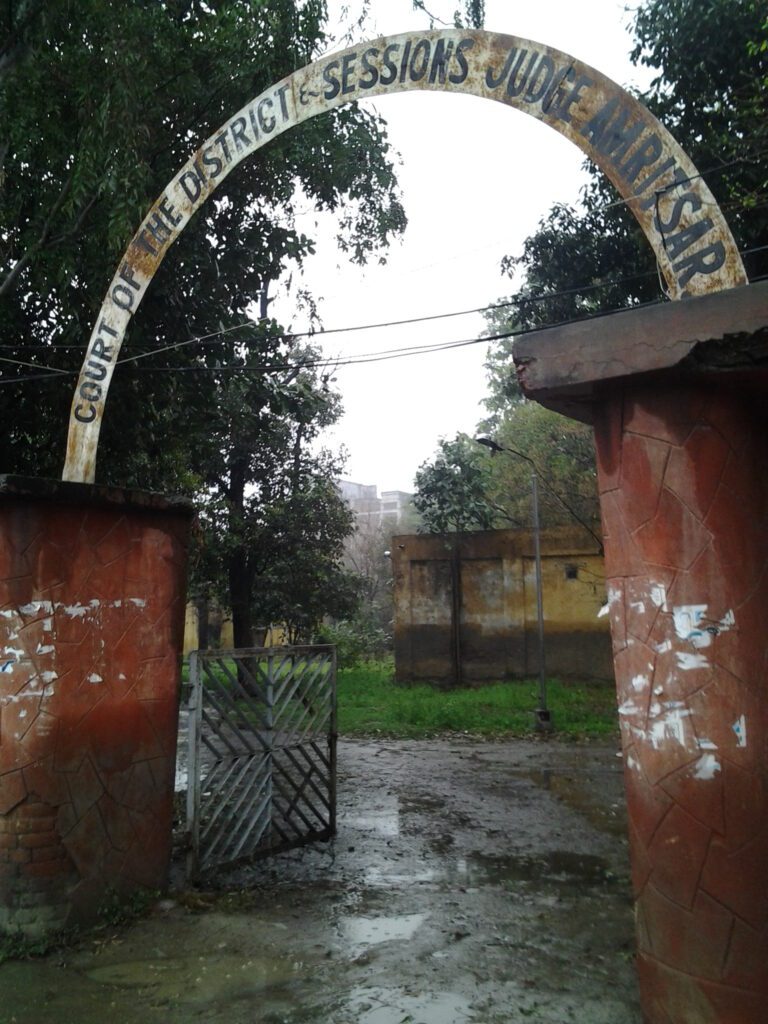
(381, 356)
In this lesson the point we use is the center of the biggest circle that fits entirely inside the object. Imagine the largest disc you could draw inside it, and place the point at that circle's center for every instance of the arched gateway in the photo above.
(676, 210)
(682, 470)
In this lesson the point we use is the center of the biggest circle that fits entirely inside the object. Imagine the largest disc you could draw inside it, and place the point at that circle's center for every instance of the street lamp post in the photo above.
(543, 715)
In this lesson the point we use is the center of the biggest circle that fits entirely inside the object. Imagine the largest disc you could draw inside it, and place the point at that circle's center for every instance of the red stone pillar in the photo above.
(683, 473)
(675, 392)
(91, 622)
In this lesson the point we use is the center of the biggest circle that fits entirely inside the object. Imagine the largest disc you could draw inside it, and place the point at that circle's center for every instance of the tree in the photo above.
(530, 439)
(710, 93)
(101, 103)
(272, 521)
(451, 491)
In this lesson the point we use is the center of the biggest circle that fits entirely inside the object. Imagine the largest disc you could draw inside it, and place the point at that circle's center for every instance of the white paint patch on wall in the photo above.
(693, 626)
(35, 607)
(706, 767)
(740, 729)
(76, 611)
(687, 618)
(628, 707)
(688, 661)
(670, 727)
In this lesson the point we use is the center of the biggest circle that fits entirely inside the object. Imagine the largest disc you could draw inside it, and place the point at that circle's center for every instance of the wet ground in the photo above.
(470, 883)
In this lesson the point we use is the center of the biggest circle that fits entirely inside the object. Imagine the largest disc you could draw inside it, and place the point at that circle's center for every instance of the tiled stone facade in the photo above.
(684, 493)
(91, 620)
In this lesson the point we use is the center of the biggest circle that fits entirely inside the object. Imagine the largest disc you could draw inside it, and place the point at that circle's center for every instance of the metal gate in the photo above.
(261, 752)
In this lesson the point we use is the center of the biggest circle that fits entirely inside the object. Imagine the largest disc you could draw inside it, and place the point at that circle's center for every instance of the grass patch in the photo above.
(369, 703)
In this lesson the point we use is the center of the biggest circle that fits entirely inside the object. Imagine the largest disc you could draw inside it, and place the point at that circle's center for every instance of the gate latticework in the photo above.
(262, 752)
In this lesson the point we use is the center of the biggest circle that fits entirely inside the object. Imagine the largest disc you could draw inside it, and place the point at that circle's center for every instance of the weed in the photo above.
(17, 946)
(118, 909)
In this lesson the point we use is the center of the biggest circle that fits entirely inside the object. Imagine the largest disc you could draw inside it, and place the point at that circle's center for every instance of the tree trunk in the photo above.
(203, 633)
(240, 600)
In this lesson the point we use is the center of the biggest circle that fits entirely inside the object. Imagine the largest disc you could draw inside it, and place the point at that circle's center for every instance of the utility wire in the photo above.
(692, 177)
(379, 356)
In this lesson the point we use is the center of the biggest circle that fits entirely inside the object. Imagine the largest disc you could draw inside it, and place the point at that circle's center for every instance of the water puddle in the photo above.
(383, 819)
(370, 931)
(393, 1006)
(383, 823)
(142, 991)
(377, 878)
(560, 869)
(199, 979)
(577, 793)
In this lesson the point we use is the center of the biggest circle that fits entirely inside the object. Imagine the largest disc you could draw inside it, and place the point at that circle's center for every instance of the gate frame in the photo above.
(195, 738)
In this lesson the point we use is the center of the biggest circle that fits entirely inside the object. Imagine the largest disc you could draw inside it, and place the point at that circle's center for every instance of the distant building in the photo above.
(370, 509)
(466, 606)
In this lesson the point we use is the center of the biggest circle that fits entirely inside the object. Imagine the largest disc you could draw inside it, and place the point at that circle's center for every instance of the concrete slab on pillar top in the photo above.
(724, 334)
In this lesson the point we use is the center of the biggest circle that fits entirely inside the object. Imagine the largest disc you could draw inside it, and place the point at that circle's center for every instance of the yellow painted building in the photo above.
(274, 636)
(466, 610)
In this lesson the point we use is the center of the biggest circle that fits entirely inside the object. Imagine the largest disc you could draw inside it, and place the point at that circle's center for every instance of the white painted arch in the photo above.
(690, 237)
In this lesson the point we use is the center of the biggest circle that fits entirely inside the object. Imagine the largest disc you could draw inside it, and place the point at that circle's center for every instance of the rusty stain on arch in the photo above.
(693, 245)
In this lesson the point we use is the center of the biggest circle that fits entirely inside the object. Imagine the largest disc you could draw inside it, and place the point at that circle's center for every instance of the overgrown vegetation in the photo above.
(371, 704)
(357, 642)
(116, 912)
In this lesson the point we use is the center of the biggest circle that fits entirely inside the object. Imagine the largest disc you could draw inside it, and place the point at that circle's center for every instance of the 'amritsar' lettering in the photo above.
(636, 153)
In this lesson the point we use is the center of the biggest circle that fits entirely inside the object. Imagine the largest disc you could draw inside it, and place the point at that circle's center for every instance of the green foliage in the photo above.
(16, 946)
(101, 103)
(710, 93)
(119, 909)
(370, 703)
(356, 642)
(488, 485)
(273, 534)
(471, 16)
(559, 450)
(116, 910)
(451, 490)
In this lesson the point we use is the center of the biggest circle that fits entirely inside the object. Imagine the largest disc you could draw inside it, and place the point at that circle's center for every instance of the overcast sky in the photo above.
(476, 178)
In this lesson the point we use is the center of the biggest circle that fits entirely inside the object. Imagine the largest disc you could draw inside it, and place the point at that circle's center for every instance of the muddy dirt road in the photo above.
(470, 883)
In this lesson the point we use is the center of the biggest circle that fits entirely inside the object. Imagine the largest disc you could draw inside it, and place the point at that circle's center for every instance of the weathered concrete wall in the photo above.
(487, 580)
(91, 625)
